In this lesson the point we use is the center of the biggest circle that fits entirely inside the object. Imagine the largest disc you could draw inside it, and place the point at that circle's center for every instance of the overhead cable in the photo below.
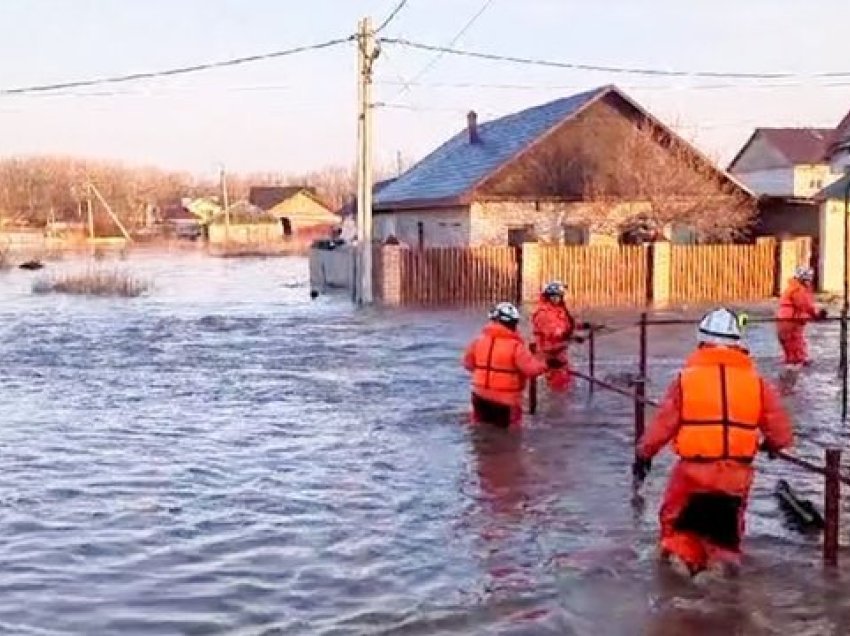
(495, 57)
(392, 16)
(183, 70)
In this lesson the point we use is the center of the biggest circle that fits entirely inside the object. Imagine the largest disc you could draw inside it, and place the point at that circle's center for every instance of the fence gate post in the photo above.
(591, 356)
(532, 387)
(831, 506)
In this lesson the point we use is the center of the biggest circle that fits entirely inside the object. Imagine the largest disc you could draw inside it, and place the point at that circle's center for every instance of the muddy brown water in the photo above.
(226, 456)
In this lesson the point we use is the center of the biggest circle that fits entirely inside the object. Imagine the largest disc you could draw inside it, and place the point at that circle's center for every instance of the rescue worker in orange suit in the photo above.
(715, 413)
(554, 328)
(500, 363)
(796, 308)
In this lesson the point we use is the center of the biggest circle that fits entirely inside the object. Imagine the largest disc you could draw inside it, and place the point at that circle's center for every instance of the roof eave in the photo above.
(422, 204)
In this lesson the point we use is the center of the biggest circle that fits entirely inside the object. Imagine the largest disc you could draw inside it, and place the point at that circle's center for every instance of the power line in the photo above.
(424, 70)
(392, 16)
(636, 87)
(183, 70)
(494, 57)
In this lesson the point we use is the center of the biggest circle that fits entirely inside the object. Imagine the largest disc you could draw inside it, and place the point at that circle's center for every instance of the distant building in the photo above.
(298, 209)
(785, 162)
(794, 172)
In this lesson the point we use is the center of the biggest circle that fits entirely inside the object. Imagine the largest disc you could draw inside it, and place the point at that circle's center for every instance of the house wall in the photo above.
(831, 253)
(775, 181)
(811, 179)
(304, 211)
(492, 220)
(245, 234)
(441, 227)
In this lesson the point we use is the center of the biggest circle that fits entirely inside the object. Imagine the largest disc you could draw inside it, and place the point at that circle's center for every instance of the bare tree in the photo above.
(653, 180)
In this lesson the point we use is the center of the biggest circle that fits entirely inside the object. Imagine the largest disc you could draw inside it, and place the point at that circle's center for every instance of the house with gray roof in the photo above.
(786, 162)
(518, 178)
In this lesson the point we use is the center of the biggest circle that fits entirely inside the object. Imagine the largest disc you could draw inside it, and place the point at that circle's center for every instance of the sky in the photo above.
(297, 113)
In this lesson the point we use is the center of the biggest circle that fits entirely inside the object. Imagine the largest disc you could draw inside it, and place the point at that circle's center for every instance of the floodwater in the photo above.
(225, 456)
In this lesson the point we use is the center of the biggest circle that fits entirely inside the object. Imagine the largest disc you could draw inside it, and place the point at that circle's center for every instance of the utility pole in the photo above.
(90, 212)
(367, 53)
(225, 201)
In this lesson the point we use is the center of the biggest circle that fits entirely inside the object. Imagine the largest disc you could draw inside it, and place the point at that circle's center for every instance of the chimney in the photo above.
(472, 126)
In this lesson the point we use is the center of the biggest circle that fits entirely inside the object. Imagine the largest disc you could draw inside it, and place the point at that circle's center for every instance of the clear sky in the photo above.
(297, 113)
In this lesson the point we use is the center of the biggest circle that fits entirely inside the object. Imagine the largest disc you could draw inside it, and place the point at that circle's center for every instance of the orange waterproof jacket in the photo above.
(725, 475)
(797, 303)
(553, 326)
(720, 406)
(500, 364)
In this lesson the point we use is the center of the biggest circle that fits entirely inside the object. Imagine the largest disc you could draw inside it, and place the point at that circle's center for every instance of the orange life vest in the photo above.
(495, 364)
(721, 405)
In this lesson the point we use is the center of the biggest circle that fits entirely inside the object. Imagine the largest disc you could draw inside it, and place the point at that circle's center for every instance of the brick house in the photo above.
(521, 177)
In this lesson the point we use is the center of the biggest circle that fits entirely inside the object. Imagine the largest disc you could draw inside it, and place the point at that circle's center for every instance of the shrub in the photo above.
(96, 282)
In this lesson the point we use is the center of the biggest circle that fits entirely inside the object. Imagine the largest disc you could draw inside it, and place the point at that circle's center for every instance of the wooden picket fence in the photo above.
(596, 276)
(603, 275)
(715, 273)
(459, 275)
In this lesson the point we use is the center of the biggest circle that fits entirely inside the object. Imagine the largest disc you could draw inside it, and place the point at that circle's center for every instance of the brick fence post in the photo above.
(390, 288)
(530, 272)
(662, 264)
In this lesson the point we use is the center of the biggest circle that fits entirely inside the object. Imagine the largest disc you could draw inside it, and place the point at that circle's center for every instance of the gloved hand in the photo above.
(767, 448)
(822, 314)
(555, 363)
(641, 468)
(578, 339)
(585, 325)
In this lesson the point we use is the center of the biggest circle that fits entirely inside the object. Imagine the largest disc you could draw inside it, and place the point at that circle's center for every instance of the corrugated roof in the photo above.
(799, 145)
(457, 166)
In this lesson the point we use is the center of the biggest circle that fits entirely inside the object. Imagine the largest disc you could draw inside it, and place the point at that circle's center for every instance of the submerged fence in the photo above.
(597, 275)
(660, 274)
(704, 273)
(830, 470)
(459, 275)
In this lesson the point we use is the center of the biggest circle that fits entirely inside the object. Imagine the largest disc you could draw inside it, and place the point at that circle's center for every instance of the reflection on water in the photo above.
(228, 456)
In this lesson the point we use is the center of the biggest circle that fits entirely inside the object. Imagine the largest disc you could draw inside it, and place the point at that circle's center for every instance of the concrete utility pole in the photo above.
(367, 53)
(225, 201)
(90, 212)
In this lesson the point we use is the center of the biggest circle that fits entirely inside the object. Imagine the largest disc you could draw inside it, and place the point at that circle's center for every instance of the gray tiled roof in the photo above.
(457, 166)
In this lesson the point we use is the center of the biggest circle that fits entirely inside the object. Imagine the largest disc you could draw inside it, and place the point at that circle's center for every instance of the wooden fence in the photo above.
(459, 275)
(706, 273)
(597, 275)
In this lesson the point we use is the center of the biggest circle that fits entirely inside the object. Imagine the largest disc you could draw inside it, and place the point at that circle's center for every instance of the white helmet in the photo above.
(505, 313)
(720, 327)
(804, 274)
(555, 289)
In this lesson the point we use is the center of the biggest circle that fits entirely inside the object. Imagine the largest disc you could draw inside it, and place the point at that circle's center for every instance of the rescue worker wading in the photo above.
(500, 364)
(715, 413)
(796, 308)
(554, 329)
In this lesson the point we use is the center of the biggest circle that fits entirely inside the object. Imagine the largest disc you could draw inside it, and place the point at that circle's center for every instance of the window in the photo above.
(574, 234)
(519, 235)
